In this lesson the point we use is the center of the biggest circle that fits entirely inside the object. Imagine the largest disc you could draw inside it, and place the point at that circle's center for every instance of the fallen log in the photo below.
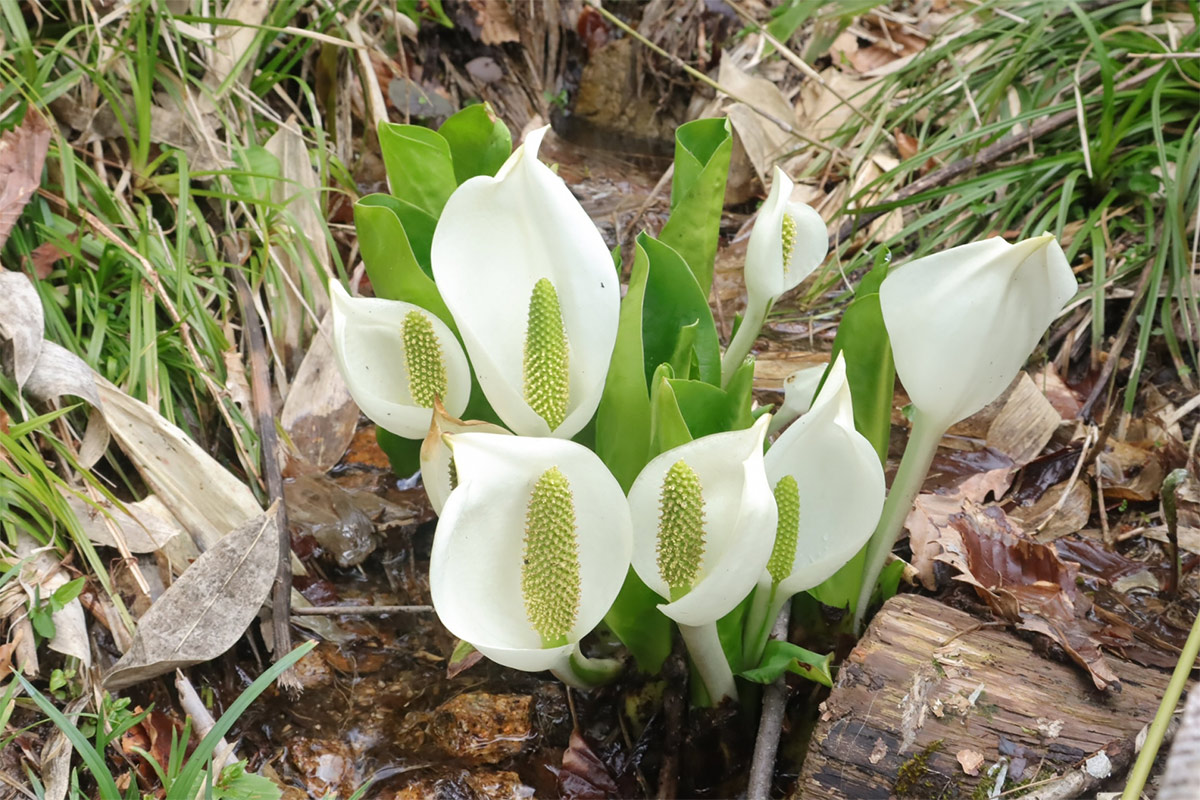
(931, 704)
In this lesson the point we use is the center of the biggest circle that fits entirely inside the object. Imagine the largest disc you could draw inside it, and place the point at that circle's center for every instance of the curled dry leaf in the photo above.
(21, 324)
(584, 775)
(208, 608)
(22, 154)
(929, 532)
(970, 760)
(1026, 583)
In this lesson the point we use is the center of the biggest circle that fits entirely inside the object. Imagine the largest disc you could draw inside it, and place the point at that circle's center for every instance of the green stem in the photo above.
(918, 455)
(743, 340)
(764, 610)
(581, 672)
(704, 647)
(1158, 728)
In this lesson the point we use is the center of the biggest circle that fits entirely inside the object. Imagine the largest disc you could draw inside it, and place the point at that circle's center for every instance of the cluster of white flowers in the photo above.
(536, 537)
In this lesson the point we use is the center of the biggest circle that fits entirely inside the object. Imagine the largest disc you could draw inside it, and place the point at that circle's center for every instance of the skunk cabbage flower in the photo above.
(962, 323)
(530, 551)
(397, 359)
(829, 489)
(704, 520)
(788, 242)
(533, 290)
(438, 470)
(799, 388)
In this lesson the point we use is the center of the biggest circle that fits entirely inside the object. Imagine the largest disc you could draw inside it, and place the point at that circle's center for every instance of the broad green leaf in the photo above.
(731, 631)
(479, 141)
(388, 256)
(702, 151)
(708, 409)
(673, 301)
(667, 426)
(419, 167)
(872, 377)
(623, 418)
(781, 657)
(418, 226)
(683, 360)
(869, 366)
(258, 170)
(637, 622)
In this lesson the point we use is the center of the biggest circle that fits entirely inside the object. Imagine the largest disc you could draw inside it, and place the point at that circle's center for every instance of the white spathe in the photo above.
(436, 455)
(840, 484)
(368, 344)
(799, 389)
(496, 238)
(476, 562)
(739, 521)
(963, 322)
(768, 274)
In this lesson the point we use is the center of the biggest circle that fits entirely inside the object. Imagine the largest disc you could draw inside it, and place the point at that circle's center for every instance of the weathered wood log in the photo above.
(928, 689)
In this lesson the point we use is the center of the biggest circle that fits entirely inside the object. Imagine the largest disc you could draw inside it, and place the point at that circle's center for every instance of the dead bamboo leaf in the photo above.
(234, 41)
(306, 261)
(22, 321)
(319, 414)
(208, 608)
(22, 154)
(1025, 425)
(45, 571)
(145, 526)
(57, 752)
(206, 499)
(764, 141)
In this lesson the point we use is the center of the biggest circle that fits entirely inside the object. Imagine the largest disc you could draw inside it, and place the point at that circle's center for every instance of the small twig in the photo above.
(359, 611)
(1169, 487)
(783, 125)
(676, 674)
(770, 725)
(260, 391)
(989, 154)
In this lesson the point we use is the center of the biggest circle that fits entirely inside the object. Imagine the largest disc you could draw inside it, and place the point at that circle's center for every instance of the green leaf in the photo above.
(105, 785)
(479, 141)
(391, 264)
(637, 622)
(674, 301)
(668, 429)
(43, 622)
(702, 151)
(781, 657)
(708, 409)
(257, 171)
(185, 786)
(682, 360)
(417, 10)
(235, 783)
(889, 582)
(68, 592)
(419, 166)
(870, 370)
(623, 418)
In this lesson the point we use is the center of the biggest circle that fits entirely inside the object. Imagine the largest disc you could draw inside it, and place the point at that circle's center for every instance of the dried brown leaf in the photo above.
(1027, 584)
(22, 154)
(208, 608)
(584, 775)
(319, 414)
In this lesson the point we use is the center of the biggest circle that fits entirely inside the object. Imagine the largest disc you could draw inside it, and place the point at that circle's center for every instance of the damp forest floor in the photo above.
(177, 177)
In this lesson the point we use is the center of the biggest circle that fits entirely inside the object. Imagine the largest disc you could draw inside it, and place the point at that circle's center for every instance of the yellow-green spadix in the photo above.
(703, 521)
(788, 242)
(531, 549)
(532, 287)
(397, 358)
(829, 488)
